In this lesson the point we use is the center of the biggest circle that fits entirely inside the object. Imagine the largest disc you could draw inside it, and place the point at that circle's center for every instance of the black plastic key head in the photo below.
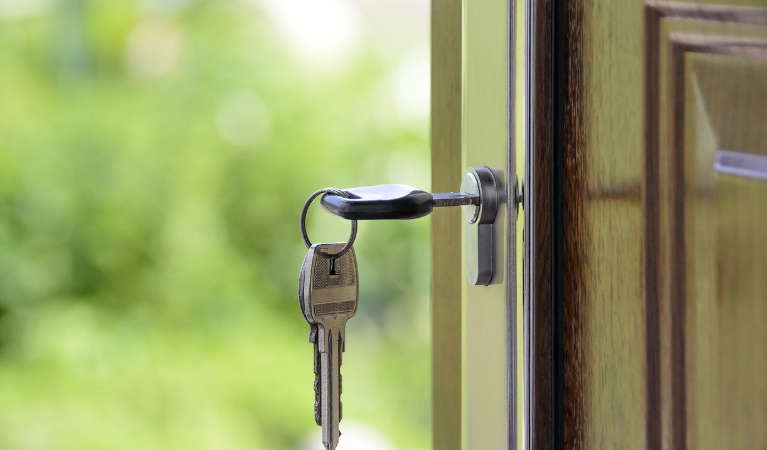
(385, 201)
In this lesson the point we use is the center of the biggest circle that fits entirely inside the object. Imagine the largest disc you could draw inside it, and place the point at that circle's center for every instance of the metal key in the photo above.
(312, 339)
(328, 294)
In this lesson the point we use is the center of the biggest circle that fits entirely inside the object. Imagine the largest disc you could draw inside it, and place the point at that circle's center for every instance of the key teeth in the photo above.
(332, 444)
(317, 396)
(317, 401)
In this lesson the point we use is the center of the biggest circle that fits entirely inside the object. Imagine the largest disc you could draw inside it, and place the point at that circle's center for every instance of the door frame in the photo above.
(476, 330)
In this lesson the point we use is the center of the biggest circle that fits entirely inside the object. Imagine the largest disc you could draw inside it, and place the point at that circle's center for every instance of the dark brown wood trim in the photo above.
(747, 15)
(747, 48)
(677, 275)
(539, 290)
(559, 178)
(651, 216)
(571, 169)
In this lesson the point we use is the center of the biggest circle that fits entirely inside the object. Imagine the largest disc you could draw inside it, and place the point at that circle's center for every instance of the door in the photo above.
(629, 311)
(648, 182)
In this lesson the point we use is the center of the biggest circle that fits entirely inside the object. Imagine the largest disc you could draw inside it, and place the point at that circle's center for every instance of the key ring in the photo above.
(352, 236)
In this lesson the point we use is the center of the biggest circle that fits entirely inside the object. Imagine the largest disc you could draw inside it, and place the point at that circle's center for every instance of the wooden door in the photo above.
(647, 189)
(641, 130)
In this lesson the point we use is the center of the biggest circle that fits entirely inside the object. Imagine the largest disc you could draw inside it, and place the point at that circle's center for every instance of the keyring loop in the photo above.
(352, 236)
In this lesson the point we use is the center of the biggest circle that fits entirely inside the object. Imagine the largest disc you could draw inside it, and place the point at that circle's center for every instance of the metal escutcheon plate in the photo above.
(480, 230)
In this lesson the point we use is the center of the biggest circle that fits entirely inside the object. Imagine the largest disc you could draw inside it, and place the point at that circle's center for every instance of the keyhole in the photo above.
(333, 266)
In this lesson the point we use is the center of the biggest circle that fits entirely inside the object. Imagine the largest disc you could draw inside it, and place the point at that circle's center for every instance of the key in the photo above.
(328, 294)
(312, 339)
(393, 201)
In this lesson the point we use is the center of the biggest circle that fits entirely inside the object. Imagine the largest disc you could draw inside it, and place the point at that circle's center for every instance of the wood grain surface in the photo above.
(643, 333)
(539, 312)
(675, 31)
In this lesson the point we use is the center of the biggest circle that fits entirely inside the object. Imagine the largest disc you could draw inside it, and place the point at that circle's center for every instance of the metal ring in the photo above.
(352, 236)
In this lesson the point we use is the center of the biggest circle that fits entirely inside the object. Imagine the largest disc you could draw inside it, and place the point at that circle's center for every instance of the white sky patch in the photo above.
(322, 33)
(166, 5)
(411, 86)
(242, 119)
(354, 437)
(19, 8)
(153, 48)
(409, 166)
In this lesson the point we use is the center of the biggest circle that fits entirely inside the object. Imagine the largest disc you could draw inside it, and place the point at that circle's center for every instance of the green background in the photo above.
(154, 157)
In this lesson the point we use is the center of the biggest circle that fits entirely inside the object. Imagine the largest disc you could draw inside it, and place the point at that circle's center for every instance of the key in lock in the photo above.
(482, 194)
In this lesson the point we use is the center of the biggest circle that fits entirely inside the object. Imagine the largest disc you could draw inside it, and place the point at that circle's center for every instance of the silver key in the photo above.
(312, 339)
(328, 295)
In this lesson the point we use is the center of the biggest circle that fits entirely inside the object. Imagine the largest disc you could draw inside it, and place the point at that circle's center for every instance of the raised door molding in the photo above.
(705, 79)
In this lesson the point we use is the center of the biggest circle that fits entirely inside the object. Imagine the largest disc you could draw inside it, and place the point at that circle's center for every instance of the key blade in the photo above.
(304, 299)
(331, 388)
(317, 387)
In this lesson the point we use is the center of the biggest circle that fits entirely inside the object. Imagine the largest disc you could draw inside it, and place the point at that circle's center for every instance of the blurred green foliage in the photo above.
(149, 245)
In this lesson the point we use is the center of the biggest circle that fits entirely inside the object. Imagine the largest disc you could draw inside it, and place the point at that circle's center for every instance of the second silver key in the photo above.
(331, 291)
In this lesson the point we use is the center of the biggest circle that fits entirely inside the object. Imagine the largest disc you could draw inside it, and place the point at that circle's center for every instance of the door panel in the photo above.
(647, 284)
(720, 243)
(710, 85)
